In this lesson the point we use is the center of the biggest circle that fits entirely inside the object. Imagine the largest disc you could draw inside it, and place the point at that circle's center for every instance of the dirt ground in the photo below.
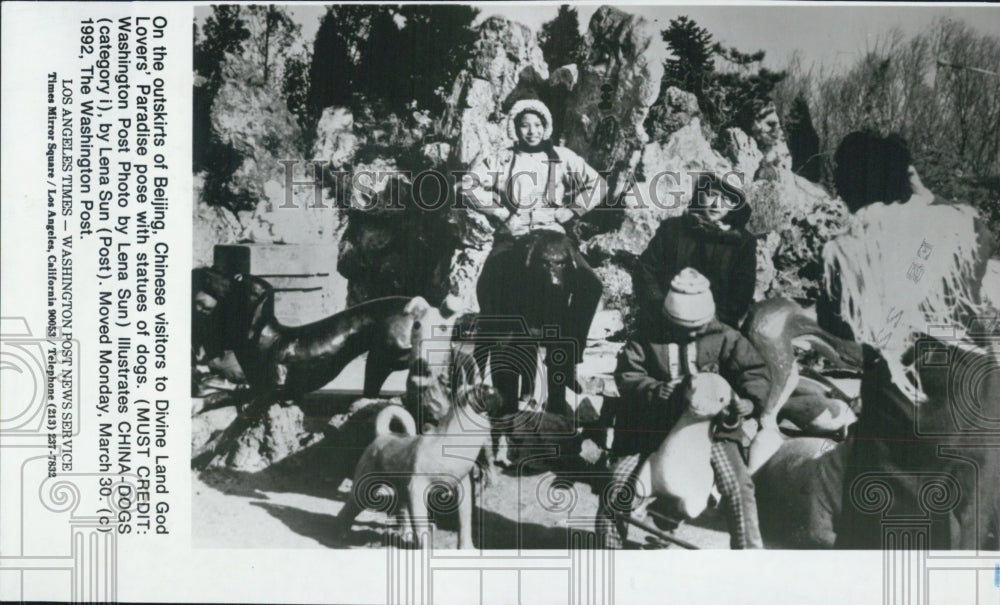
(278, 510)
(293, 503)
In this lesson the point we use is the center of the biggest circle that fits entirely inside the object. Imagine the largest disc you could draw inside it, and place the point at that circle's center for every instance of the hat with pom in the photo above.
(689, 302)
(529, 105)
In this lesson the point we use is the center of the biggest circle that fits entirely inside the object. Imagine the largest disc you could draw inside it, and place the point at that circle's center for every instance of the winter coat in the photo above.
(545, 180)
(728, 258)
(650, 370)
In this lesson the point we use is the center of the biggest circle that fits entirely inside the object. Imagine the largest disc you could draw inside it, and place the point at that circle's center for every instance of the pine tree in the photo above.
(560, 38)
(391, 56)
(693, 52)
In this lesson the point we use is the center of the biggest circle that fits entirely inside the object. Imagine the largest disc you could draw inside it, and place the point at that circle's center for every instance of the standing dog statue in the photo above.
(284, 362)
(412, 464)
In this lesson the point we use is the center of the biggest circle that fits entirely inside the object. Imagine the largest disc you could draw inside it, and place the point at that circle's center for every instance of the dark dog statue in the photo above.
(284, 362)
(536, 290)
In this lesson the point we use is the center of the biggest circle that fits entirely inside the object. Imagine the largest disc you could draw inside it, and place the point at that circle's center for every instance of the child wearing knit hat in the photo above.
(650, 369)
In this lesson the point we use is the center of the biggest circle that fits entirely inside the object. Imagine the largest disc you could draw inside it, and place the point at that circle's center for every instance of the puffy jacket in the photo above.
(574, 184)
(649, 371)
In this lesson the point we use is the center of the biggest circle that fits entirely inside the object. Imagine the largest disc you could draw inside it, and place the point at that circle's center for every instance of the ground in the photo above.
(298, 511)
(293, 503)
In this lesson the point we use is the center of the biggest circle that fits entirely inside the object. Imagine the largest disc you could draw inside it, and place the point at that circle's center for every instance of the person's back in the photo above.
(925, 402)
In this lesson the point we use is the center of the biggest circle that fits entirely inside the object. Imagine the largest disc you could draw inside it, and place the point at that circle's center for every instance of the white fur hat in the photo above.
(689, 302)
(532, 105)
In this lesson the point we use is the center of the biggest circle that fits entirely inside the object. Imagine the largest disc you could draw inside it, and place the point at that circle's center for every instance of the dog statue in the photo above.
(680, 470)
(412, 464)
(284, 362)
(772, 326)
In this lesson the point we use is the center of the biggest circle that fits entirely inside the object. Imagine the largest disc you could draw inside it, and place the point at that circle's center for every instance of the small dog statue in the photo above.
(412, 464)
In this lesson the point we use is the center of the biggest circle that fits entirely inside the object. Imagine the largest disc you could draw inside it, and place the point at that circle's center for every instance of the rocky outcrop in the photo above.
(776, 162)
(336, 144)
(390, 245)
(743, 152)
(254, 122)
(608, 108)
(673, 110)
(616, 86)
(212, 225)
(798, 256)
(505, 57)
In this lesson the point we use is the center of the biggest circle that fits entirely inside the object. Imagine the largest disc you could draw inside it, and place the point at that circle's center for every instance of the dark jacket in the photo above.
(728, 258)
(650, 402)
(928, 461)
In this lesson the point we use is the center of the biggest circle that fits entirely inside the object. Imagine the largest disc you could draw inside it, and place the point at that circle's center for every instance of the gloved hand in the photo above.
(741, 406)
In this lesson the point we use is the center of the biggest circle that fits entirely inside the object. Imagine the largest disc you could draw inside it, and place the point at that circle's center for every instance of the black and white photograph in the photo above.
(658, 277)
(436, 303)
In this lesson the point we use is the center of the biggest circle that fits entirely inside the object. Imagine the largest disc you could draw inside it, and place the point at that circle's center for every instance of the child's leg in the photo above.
(738, 497)
(616, 500)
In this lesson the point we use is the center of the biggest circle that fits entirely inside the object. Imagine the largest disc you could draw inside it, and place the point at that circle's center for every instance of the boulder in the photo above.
(617, 84)
(336, 143)
(743, 152)
(776, 162)
(273, 437)
(307, 217)
(617, 291)
(213, 224)
(436, 154)
(767, 244)
(672, 111)
(685, 153)
(255, 122)
(564, 78)
(505, 55)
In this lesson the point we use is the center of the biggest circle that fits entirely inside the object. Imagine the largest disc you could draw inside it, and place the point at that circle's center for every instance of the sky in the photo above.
(831, 36)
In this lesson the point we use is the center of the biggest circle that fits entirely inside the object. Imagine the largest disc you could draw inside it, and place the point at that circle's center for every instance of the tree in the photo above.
(389, 56)
(333, 71)
(224, 32)
(693, 51)
(247, 53)
(734, 97)
(431, 47)
(295, 86)
(939, 90)
(272, 34)
(803, 142)
(560, 38)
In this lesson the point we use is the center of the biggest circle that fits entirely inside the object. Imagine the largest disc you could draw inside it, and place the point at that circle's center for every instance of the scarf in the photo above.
(553, 157)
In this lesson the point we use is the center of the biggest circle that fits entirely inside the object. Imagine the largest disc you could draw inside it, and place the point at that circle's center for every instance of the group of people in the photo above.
(694, 283)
